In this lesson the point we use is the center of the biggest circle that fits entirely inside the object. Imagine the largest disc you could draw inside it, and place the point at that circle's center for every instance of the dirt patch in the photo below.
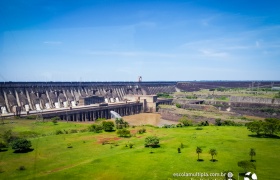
(146, 118)
(61, 168)
(107, 140)
(134, 131)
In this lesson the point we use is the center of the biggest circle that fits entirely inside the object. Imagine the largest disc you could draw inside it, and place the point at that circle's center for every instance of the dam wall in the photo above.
(38, 96)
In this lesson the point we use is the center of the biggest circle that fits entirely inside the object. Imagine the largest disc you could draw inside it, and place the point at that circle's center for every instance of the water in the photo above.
(147, 118)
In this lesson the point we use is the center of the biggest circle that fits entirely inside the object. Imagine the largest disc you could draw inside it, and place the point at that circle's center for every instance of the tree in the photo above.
(152, 141)
(255, 126)
(21, 145)
(246, 165)
(117, 122)
(120, 123)
(271, 126)
(198, 151)
(108, 125)
(213, 153)
(126, 124)
(252, 153)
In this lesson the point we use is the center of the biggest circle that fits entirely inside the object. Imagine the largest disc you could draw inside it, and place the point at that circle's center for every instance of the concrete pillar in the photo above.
(29, 100)
(7, 102)
(97, 114)
(94, 115)
(17, 98)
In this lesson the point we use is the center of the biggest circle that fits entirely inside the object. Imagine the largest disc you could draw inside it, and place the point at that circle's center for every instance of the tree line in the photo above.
(270, 126)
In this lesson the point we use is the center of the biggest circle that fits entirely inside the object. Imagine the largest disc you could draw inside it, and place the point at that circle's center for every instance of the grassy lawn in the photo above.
(89, 159)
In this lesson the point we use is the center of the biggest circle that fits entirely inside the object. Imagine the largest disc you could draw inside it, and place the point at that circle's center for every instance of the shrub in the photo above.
(108, 125)
(21, 168)
(164, 95)
(123, 133)
(57, 132)
(166, 126)
(131, 145)
(21, 145)
(56, 118)
(203, 123)
(179, 150)
(95, 128)
(185, 122)
(178, 105)
(246, 165)
(141, 131)
(179, 125)
(3, 145)
(54, 121)
(230, 123)
(73, 131)
(152, 141)
(199, 128)
(218, 122)
(191, 97)
(83, 130)
(8, 136)
(31, 117)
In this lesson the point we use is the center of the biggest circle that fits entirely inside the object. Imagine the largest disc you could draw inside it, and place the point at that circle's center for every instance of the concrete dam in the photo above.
(79, 100)
(87, 101)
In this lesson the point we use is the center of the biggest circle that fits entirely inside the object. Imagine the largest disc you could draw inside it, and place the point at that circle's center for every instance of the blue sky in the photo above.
(105, 40)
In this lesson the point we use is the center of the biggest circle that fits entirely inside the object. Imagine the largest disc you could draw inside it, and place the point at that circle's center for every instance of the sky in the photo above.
(106, 40)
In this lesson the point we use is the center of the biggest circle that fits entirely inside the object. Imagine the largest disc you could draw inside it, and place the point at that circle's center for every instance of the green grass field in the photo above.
(89, 159)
